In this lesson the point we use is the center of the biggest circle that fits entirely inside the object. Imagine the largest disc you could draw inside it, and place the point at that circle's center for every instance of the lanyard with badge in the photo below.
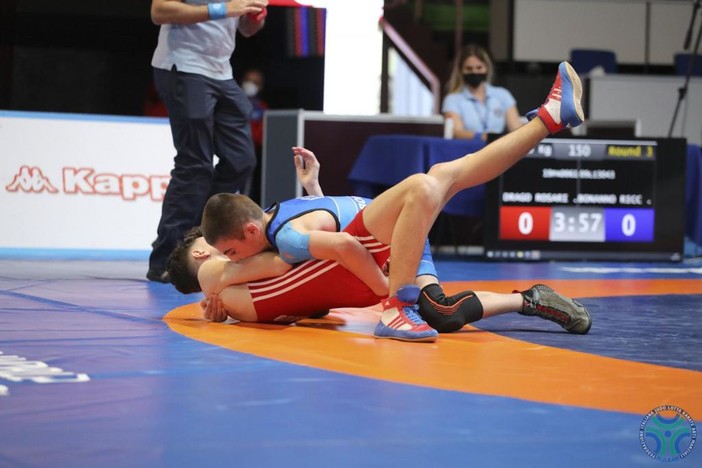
(482, 117)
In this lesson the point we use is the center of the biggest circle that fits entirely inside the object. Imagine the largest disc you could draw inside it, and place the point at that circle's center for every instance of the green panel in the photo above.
(443, 17)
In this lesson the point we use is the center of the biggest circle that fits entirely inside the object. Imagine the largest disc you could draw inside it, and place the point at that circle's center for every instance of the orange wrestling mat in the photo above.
(471, 360)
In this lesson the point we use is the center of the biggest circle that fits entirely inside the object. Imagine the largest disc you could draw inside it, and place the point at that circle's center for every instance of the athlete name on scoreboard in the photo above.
(549, 198)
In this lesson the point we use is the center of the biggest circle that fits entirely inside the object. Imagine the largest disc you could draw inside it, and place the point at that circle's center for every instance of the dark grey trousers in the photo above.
(208, 117)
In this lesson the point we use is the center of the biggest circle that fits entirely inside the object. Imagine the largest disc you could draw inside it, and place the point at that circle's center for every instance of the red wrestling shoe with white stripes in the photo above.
(562, 108)
(400, 319)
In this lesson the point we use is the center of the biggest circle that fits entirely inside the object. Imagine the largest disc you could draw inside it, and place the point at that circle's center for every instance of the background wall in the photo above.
(94, 57)
(640, 32)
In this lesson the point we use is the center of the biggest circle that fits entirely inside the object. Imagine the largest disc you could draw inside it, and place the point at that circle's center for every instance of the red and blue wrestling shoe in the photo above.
(401, 320)
(562, 108)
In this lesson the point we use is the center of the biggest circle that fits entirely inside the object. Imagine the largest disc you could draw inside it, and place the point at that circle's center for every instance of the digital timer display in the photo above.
(595, 198)
(562, 224)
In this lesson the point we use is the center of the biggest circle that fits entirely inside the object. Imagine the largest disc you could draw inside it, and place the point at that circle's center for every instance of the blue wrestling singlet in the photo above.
(343, 209)
(294, 246)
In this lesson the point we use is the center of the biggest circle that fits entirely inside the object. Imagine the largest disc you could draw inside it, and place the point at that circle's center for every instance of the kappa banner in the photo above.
(82, 182)
(87, 181)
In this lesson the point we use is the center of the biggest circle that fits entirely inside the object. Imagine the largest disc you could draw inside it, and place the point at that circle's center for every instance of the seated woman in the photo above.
(472, 103)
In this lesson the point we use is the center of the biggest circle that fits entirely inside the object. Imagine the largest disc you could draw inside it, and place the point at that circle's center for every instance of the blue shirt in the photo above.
(203, 48)
(479, 117)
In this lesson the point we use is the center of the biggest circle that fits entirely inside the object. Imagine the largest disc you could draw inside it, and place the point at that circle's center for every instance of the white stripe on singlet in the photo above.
(293, 272)
(277, 292)
(372, 244)
(292, 275)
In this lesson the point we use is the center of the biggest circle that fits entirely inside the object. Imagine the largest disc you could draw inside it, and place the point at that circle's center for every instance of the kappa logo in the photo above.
(86, 181)
(30, 179)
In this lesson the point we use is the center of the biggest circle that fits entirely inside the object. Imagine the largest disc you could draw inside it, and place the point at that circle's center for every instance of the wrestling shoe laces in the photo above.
(401, 320)
(544, 302)
(562, 108)
(412, 314)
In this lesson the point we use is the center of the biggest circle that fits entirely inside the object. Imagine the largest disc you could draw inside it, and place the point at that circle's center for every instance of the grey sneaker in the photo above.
(548, 304)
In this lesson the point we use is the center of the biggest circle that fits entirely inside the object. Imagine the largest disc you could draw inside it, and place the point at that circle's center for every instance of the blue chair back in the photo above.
(584, 60)
(682, 62)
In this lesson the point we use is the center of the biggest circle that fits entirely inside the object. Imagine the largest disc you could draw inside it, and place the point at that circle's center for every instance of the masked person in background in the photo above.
(474, 105)
(252, 83)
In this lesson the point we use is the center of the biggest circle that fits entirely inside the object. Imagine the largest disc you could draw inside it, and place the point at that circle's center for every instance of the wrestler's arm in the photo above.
(214, 276)
(352, 255)
(307, 168)
(307, 237)
(263, 265)
(223, 283)
(233, 301)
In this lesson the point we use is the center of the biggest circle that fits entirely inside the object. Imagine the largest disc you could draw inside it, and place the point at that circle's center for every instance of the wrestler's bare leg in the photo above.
(403, 215)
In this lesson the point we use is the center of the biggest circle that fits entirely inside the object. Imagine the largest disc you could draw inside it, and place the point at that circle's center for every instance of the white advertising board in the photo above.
(72, 181)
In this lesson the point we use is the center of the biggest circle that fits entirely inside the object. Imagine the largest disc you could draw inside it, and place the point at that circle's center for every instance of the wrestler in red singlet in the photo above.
(317, 285)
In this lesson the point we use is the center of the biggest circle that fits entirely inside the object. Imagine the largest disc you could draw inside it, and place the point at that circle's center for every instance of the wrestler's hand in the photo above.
(307, 167)
(213, 308)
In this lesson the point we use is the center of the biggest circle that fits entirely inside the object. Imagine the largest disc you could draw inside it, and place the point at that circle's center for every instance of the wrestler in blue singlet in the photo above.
(293, 246)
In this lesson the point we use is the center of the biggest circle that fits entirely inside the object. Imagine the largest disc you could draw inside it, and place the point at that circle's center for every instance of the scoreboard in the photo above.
(591, 199)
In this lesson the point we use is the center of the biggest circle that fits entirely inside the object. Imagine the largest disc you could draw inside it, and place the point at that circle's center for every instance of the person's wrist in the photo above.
(313, 188)
(217, 11)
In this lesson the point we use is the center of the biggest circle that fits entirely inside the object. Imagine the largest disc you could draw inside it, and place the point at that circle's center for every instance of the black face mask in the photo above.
(474, 79)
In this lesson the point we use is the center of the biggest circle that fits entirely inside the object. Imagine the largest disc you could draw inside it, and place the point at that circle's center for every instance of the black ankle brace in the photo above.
(448, 313)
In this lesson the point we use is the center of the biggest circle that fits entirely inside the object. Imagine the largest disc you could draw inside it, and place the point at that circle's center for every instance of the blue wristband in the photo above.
(217, 10)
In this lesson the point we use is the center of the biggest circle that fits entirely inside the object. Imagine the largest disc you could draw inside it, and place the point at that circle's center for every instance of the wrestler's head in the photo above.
(185, 260)
(235, 225)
